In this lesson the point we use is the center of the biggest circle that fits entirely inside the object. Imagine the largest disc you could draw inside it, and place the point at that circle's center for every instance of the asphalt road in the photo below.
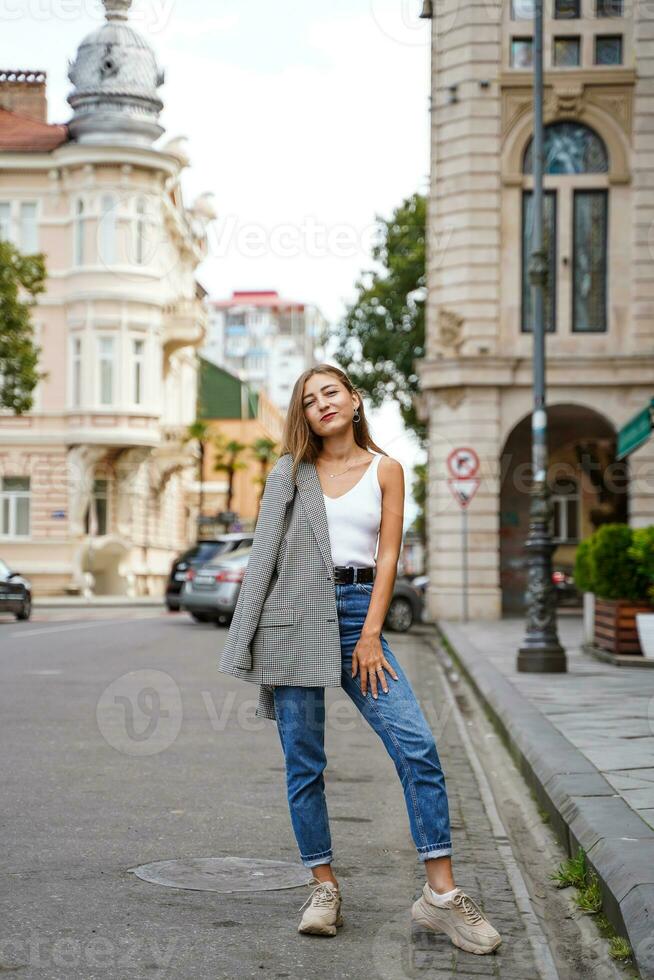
(123, 745)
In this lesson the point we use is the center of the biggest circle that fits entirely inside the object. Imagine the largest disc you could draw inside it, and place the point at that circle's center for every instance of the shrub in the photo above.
(582, 572)
(615, 573)
(642, 551)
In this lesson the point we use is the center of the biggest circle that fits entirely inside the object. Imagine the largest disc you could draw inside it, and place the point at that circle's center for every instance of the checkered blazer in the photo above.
(285, 624)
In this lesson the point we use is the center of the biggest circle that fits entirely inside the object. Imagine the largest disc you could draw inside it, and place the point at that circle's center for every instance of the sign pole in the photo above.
(464, 517)
(463, 464)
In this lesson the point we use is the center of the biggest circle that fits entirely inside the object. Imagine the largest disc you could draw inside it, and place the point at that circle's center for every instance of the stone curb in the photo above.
(584, 809)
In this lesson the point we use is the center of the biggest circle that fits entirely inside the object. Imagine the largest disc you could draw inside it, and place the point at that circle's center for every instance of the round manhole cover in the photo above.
(228, 874)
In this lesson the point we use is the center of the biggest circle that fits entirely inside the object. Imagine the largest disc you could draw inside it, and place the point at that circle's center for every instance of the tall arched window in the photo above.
(140, 231)
(575, 167)
(107, 237)
(78, 247)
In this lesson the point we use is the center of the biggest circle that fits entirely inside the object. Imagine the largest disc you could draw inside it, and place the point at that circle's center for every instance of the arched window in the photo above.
(107, 236)
(78, 249)
(140, 231)
(575, 230)
(569, 148)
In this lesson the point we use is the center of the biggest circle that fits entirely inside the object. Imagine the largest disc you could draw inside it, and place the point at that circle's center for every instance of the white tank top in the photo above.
(354, 519)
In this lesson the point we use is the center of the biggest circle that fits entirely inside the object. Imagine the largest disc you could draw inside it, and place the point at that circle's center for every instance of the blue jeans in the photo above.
(398, 720)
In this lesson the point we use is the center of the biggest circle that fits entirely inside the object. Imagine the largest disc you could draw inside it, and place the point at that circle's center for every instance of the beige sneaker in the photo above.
(461, 919)
(324, 913)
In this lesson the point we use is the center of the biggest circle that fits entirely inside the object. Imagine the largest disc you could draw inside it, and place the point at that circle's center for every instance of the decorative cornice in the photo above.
(565, 370)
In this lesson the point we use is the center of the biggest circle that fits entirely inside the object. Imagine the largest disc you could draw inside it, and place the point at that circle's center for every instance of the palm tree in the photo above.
(200, 432)
(263, 450)
(227, 453)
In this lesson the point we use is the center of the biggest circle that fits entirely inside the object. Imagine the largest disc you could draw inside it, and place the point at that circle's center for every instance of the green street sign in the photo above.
(636, 431)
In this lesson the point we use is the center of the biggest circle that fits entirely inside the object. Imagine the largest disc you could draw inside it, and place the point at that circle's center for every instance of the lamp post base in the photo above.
(542, 659)
(540, 651)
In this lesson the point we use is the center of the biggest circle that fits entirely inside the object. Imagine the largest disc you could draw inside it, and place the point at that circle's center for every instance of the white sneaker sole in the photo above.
(419, 915)
(321, 930)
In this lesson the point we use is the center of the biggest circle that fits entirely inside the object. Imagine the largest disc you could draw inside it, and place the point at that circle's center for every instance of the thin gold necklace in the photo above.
(343, 471)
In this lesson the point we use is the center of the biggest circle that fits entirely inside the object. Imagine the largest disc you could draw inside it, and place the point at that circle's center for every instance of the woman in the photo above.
(328, 504)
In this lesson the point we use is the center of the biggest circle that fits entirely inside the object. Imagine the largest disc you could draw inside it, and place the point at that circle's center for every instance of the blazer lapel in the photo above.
(310, 491)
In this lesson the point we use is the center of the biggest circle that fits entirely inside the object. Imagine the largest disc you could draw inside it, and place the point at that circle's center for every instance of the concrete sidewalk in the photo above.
(95, 601)
(585, 743)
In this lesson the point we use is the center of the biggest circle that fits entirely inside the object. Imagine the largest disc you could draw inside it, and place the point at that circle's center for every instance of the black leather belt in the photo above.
(344, 574)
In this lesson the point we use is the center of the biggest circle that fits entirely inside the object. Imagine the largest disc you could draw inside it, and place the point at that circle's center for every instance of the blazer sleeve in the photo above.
(277, 495)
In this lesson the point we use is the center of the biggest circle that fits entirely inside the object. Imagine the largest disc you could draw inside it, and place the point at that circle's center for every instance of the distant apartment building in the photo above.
(265, 340)
(93, 480)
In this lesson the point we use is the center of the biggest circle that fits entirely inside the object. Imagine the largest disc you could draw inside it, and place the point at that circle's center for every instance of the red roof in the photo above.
(27, 135)
(257, 297)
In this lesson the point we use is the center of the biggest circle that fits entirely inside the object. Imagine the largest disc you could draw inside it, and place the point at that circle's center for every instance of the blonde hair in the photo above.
(298, 437)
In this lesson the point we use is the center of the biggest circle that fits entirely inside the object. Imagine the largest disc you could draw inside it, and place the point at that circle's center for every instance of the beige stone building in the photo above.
(92, 480)
(477, 372)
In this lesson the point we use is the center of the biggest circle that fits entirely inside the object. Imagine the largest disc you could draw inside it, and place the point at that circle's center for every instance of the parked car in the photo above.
(406, 606)
(200, 553)
(15, 593)
(210, 592)
(566, 592)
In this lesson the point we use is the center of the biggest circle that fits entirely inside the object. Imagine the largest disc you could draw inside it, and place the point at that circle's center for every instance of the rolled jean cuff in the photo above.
(435, 851)
(326, 857)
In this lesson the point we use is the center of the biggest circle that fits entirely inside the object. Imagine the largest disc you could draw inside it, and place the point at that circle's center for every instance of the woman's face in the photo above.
(328, 405)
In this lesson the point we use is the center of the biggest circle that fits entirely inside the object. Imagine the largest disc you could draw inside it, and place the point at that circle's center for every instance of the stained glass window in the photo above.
(608, 50)
(589, 263)
(522, 52)
(549, 242)
(567, 52)
(609, 8)
(570, 148)
(566, 9)
(522, 9)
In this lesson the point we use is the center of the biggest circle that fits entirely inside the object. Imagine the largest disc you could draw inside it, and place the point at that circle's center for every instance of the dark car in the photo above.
(565, 590)
(15, 593)
(406, 606)
(199, 554)
(211, 591)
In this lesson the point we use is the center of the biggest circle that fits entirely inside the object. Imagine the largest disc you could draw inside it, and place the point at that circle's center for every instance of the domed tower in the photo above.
(115, 77)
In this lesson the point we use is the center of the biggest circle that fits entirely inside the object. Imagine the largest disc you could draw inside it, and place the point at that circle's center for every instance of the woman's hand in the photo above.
(368, 656)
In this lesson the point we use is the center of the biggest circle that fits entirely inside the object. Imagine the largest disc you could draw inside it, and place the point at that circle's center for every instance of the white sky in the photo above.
(304, 118)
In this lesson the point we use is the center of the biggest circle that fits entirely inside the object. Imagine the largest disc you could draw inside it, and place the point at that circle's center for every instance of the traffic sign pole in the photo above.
(464, 540)
(463, 464)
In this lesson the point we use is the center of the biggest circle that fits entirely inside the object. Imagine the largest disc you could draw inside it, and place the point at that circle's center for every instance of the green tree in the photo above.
(263, 450)
(199, 432)
(383, 331)
(22, 278)
(227, 461)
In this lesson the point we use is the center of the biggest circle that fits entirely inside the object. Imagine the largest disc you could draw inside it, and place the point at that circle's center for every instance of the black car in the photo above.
(200, 554)
(15, 593)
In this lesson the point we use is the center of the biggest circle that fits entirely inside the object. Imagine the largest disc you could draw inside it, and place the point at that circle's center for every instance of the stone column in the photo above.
(464, 417)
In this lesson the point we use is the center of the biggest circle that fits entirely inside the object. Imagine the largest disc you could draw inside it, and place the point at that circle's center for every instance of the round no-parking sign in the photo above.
(463, 463)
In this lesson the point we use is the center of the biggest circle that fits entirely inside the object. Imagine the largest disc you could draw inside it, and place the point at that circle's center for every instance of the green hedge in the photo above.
(617, 562)
(642, 551)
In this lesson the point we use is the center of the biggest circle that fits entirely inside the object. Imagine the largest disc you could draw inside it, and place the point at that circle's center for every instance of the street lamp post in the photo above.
(541, 651)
